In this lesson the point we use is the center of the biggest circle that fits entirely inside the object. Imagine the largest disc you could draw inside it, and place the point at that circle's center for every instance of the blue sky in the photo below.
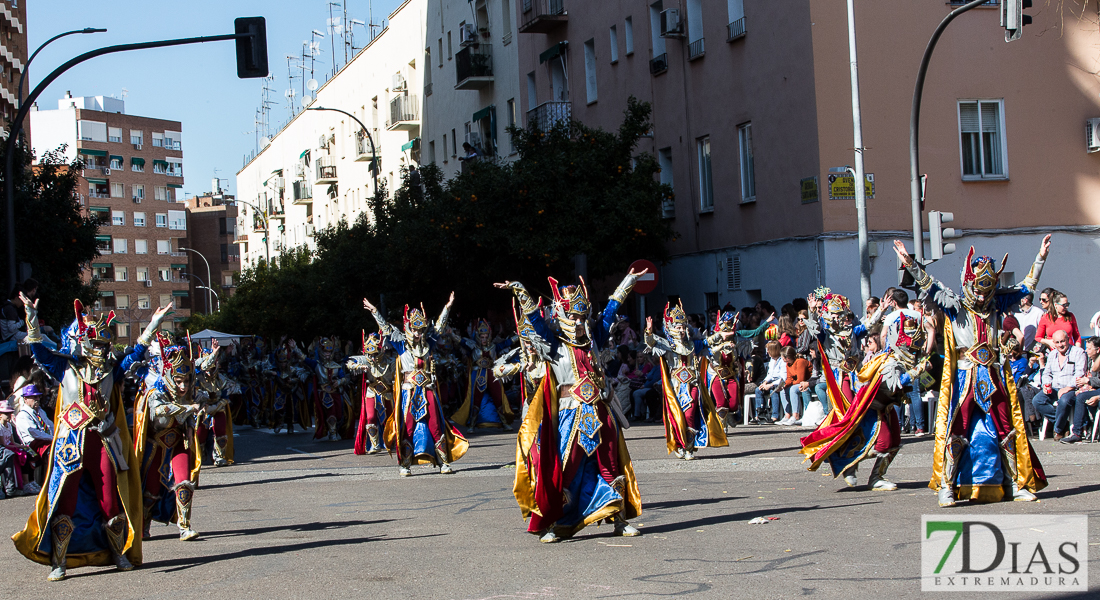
(195, 84)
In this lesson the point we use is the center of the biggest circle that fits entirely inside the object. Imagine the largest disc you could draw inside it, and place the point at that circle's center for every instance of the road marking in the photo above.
(301, 451)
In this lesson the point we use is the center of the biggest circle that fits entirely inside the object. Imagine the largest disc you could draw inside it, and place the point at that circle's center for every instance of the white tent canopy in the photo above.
(203, 337)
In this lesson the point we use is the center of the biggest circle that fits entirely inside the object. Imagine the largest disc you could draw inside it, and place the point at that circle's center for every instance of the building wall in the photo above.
(100, 195)
(366, 79)
(13, 59)
(447, 108)
(212, 223)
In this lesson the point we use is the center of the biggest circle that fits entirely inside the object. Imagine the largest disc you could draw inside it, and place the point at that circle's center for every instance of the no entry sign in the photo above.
(648, 282)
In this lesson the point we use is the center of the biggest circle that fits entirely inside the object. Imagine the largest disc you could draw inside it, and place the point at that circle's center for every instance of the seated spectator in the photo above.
(32, 423)
(648, 395)
(13, 456)
(797, 386)
(1058, 318)
(772, 384)
(1088, 394)
(1065, 365)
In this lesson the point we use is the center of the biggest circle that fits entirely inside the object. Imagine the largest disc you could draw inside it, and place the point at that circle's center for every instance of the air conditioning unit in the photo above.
(137, 146)
(106, 170)
(280, 183)
(309, 230)
(137, 199)
(398, 82)
(467, 35)
(671, 25)
(147, 283)
(323, 142)
(1092, 135)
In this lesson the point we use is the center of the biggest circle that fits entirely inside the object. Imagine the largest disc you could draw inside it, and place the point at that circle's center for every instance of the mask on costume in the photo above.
(416, 323)
(94, 336)
(176, 370)
(906, 337)
(979, 280)
(571, 311)
(834, 311)
(676, 322)
(483, 332)
(326, 348)
(282, 356)
(726, 321)
(372, 345)
(260, 345)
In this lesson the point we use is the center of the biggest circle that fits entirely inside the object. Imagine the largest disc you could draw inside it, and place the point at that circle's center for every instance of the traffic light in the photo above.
(251, 49)
(1013, 18)
(937, 233)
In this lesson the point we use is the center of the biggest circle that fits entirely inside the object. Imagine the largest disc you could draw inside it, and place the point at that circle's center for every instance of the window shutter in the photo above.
(991, 121)
(733, 272)
(968, 117)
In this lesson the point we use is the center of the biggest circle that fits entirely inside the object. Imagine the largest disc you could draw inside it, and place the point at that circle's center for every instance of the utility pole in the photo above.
(860, 178)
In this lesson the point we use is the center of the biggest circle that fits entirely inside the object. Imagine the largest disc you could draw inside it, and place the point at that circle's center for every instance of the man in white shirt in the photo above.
(1065, 364)
(32, 423)
(1028, 317)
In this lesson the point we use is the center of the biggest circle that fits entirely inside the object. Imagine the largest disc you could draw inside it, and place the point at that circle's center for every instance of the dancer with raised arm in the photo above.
(377, 367)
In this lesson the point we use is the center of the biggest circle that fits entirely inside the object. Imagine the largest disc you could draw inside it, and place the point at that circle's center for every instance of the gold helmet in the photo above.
(979, 280)
(675, 318)
(93, 334)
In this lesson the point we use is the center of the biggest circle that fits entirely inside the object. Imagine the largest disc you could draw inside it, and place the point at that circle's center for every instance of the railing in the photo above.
(659, 64)
(175, 172)
(176, 253)
(326, 170)
(363, 149)
(696, 49)
(549, 114)
(473, 61)
(302, 191)
(735, 29)
(170, 145)
(95, 194)
(404, 108)
(540, 16)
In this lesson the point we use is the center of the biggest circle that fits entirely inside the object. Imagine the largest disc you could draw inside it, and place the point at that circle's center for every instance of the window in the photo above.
(92, 131)
(736, 27)
(628, 35)
(143, 301)
(160, 167)
(164, 246)
(177, 219)
(158, 140)
(440, 53)
(122, 330)
(137, 165)
(139, 191)
(122, 301)
(227, 280)
(590, 70)
(165, 299)
(748, 169)
(102, 214)
(162, 220)
(655, 28)
(142, 275)
(118, 190)
(506, 16)
(160, 192)
(981, 129)
(136, 137)
(511, 123)
(450, 54)
(664, 161)
(706, 184)
(120, 274)
(164, 274)
(118, 218)
(114, 134)
(431, 152)
(116, 162)
(694, 21)
(120, 246)
(454, 144)
(139, 219)
(102, 271)
(532, 92)
(141, 246)
(444, 148)
(614, 38)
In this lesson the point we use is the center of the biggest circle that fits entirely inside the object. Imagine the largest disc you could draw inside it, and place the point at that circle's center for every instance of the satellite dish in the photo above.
(312, 85)
(306, 100)
(290, 93)
(264, 141)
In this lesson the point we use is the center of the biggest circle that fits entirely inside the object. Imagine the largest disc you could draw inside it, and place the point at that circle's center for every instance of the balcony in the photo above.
(735, 30)
(658, 64)
(326, 170)
(98, 194)
(474, 67)
(302, 192)
(542, 16)
(364, 151)
(697, 49)
(240, 238)
(548, 115)
(404, 113)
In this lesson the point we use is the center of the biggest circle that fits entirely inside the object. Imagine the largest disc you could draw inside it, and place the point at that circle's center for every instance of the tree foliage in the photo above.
(573, 190)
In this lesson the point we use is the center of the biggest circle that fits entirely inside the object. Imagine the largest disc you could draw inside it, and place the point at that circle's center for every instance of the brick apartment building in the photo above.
(133, 167)
(212, 232)
(13, 48)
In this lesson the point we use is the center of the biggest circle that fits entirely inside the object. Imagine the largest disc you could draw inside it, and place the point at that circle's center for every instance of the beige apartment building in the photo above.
(13, 58)
(752, 108)
(133, 169)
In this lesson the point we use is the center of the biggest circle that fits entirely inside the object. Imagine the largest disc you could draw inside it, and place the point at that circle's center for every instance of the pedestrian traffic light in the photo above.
(937, 233)
(251, 47)
(1013, 18)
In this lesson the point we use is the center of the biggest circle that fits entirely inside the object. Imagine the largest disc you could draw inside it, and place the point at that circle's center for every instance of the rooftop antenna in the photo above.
(332, 34)
(351, 34)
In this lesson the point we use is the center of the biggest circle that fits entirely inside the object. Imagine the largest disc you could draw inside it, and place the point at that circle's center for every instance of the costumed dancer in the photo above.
(870, 428)
(831, 322)
(572, 467)
(92, 498)
(690, 417)
(165, 438)
(214, 415)
(417, 429)
(378, 369)
(982, 452)
(528, 361)
(725, 368)
(287, 383)
(330, 382)
(485, 404)
(258, 396)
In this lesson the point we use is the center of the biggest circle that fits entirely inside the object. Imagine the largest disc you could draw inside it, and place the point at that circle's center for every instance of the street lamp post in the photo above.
(26, 66)
(199, 279)
(374, 163)
(208, 303)
(216, 296)
(267, 226)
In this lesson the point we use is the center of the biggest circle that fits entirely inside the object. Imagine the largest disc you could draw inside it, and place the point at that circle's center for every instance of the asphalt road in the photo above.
(302, 519)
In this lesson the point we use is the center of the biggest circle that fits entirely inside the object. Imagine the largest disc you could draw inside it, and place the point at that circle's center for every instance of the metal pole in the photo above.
(267, 247)
(861, 194)
(216, 296)
(26, 66)
(17, 123)
(199, 279)
(914, 131)
(208, 302)
(373, 163)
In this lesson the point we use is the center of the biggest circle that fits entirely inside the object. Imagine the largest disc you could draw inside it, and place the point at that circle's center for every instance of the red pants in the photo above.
(219, 427)
(370, 414)
(100, 470)
(436, 424)
(181, 468)
(725, 393)
(692, 415)
(889, 431)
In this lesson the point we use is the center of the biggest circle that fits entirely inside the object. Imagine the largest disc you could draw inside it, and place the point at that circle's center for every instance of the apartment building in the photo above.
(13, 58)
(133, 167)
(216, 260)
(470, 81)
(752, 115)
(321, 167)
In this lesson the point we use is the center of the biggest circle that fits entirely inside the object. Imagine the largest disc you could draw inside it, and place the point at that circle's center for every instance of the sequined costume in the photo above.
(839, 344)
(286, 379)
(869, 427)
(214, 416)
(89, 511)
(725, 369)
(165, 437)
(982, 452)
(417, 429)
(573, 468)
(485, 404)
(258, 388)
(377, 368)
(329, 389)
(689, 414)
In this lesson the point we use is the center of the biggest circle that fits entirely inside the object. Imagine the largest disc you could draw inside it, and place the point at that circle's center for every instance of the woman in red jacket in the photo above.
(1058, 318)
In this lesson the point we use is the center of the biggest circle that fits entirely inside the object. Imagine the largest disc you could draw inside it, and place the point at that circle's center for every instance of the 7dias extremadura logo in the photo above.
(1017, 553)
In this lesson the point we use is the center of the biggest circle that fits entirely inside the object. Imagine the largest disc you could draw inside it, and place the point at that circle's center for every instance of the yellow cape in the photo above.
(462, 415)
(716, 430)
(395, 428)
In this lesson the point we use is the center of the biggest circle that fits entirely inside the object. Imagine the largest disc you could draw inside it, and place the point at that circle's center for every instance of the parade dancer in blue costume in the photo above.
(485, 404)
(573, 468)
